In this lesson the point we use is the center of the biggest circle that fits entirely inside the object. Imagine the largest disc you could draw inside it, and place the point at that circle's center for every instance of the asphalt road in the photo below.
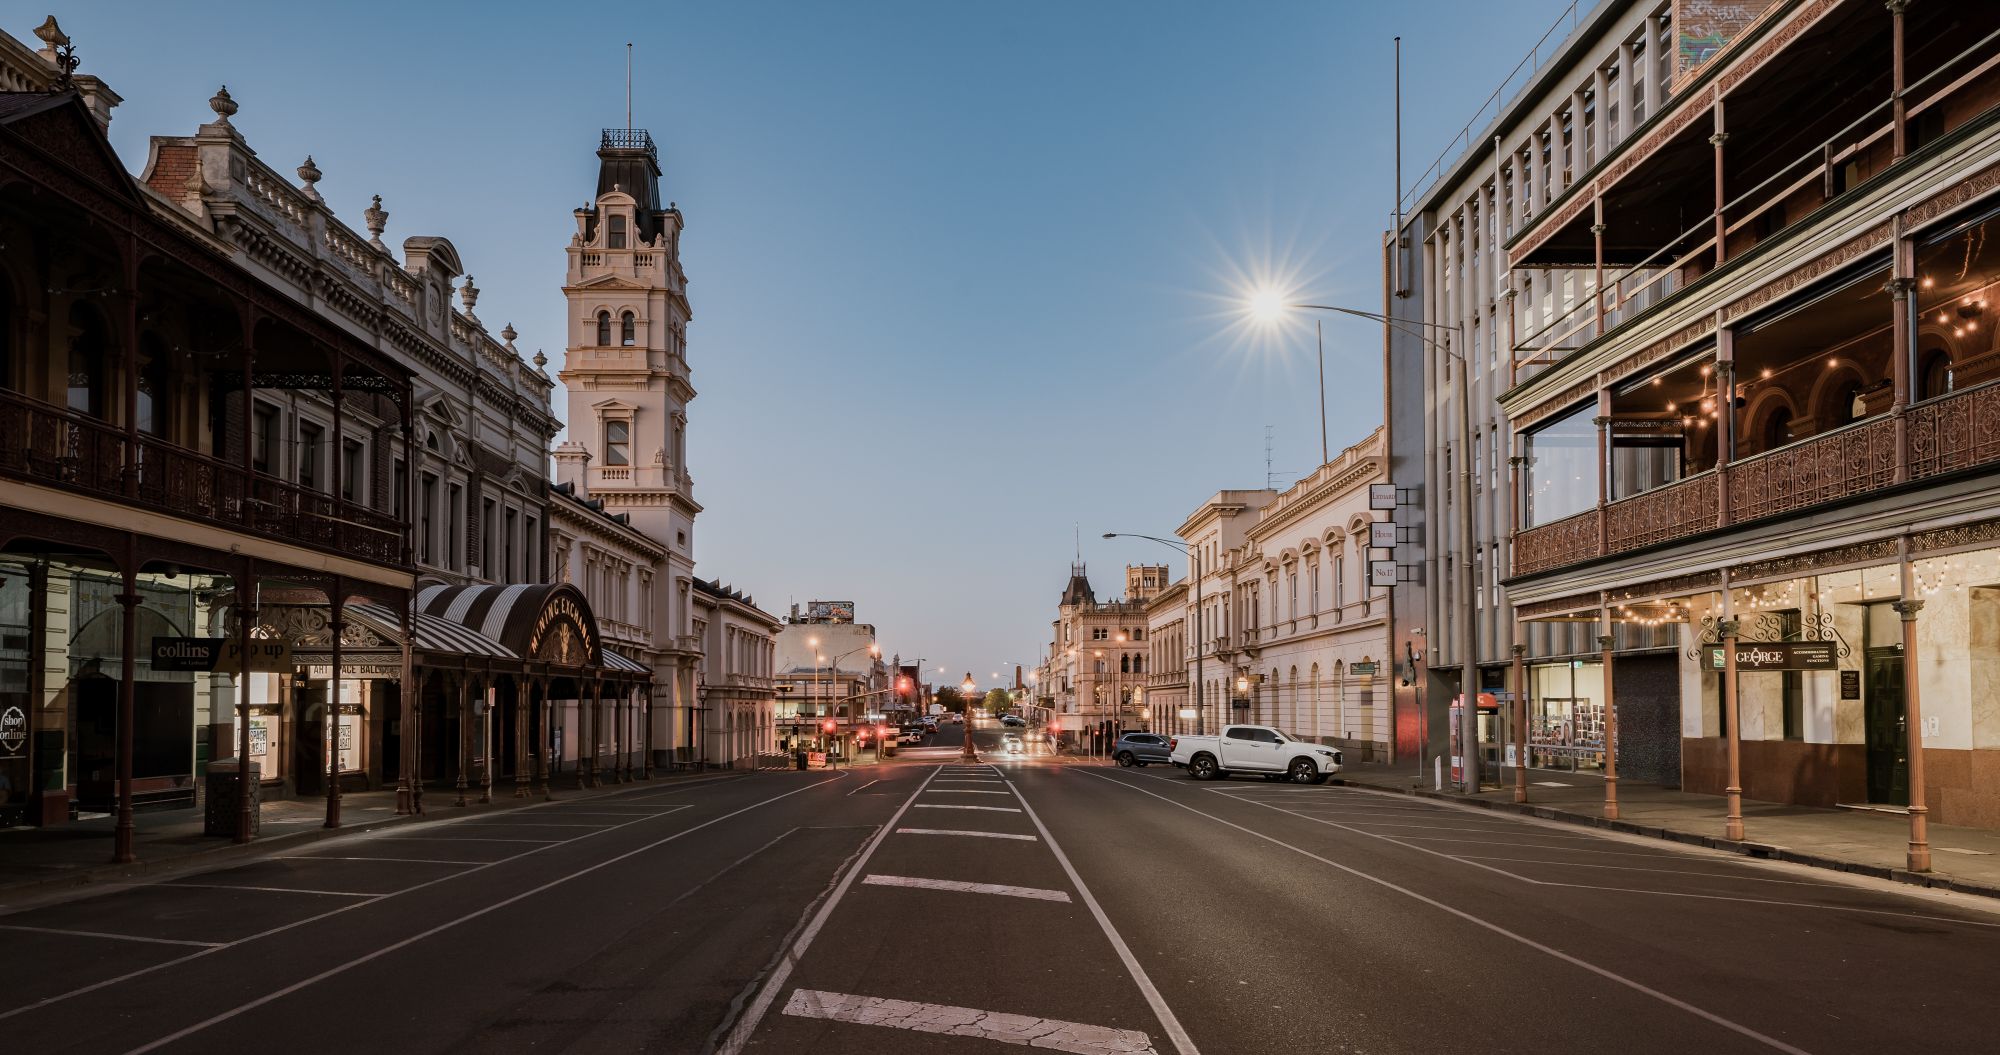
(924, 906)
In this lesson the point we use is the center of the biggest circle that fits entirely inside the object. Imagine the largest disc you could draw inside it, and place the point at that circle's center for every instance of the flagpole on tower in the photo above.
(628, 86)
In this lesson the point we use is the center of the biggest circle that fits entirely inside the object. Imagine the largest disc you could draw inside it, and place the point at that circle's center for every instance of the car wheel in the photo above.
(1124, 758)
(1303, 771)
(1202, 767)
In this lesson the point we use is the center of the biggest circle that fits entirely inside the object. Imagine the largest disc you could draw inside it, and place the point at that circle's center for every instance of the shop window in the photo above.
(1561, 470)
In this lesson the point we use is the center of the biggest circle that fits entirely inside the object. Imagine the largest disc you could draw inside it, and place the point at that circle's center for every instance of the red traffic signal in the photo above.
(863, 734)
(1055, 727)
(827, 725)
(903, 686)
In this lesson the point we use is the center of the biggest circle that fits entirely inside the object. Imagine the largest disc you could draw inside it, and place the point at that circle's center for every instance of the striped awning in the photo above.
(433, 633)
(614, 660)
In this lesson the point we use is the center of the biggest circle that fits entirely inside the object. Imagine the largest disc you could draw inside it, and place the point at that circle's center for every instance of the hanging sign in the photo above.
(1777, 655)
(13, 731)
(1381, 496)
(1382, 534)
(1381, 573)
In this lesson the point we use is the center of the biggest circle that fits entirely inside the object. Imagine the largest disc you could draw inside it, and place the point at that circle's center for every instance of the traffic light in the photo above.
(902, 686)
(863, 734)
(1055, 726)
(827, 725)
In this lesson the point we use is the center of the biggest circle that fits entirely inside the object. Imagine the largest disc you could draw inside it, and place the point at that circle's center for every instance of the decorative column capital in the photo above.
(1729, 628)
(1519, 651)
(1908, 609)
(1900, 288)
(1718, 139)
(1598, 228)
(1895, 7)
(1604, 642)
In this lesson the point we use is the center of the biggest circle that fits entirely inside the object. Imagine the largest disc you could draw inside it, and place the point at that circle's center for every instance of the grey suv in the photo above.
(1137, 749)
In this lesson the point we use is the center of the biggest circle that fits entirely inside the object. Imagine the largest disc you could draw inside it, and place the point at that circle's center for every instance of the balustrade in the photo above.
(1849, 461)
(1957, 431)
(1681, 508)
(1557, 543)
(53, 445)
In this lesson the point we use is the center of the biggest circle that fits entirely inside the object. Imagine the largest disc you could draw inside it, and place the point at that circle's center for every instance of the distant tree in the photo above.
(998, 701)
(950, 698)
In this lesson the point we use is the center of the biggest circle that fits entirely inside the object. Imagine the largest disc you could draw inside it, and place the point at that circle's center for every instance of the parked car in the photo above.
(1013, 721)
(910, 734)
(1254, 749)
(1138, 749)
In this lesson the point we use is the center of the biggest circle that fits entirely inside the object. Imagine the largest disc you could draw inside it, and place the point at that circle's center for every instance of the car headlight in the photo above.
(1331, 754)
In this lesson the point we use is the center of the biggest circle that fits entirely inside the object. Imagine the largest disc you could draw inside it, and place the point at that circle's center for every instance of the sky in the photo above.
(965, 275)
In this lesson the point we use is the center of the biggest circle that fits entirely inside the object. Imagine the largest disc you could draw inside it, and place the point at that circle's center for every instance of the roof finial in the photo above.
(377, 218)
(469, 293)
(310, 173)
(222, 104)
(56, 48)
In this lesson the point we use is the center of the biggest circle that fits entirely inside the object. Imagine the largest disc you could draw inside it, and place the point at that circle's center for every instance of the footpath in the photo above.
(1864, 842)
(35, 861)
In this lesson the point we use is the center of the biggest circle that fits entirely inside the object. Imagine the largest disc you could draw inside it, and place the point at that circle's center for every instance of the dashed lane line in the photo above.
(265, 889)
(1052, 1034)
(870, 784)
(965, 791)
(1488, 925)
(958, 831)
(385, 950)
(1034, 893)
(398, 860)
(1183, 1044)
(108, 934)
(767, 992)
(955, 806)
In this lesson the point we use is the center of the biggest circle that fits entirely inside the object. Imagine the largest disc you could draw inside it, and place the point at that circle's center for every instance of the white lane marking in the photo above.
(965, 791)
(396, 860)
(385, 950)
(870, 784)
(1485, 831)
(986, 780)
(956, 831)
(1035, 893)
(1052, 1034)
(108, 934)
(1183, 1044)
(1601, 972)
(530, 824)
(948, 806)
(1636, 868)
(434, 838)
(470, 867)
(753, 1015)
(265, 889)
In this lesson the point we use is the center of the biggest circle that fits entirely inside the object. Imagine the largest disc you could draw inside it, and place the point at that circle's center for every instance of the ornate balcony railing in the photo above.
(1557, 543)
(1679, 509)
(1850, 461)
(1956, 432)
(57, 446)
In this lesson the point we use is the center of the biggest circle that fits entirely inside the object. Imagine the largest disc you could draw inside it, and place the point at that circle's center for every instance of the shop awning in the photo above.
(614, 660)
(433, 633)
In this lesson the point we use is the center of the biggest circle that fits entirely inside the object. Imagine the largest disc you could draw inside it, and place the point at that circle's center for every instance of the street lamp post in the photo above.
(1200, 707)
(966, 689)
(1270, 305)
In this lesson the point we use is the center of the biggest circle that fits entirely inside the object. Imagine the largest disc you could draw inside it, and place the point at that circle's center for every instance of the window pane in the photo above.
(1562, 468)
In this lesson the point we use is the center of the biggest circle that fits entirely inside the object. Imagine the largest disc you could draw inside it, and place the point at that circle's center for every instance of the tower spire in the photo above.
(628, 86)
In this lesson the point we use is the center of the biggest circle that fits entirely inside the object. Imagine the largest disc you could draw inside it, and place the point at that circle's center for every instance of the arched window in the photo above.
(86, 361)
(603, 328)
(1124, 664)
(628, 330)
(1936, 379)
(617, 232)
(1777, 428)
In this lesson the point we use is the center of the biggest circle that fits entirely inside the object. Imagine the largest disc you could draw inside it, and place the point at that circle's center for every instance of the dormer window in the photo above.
(628, 328)
(617, 443)
(617, 235)
(603, 328)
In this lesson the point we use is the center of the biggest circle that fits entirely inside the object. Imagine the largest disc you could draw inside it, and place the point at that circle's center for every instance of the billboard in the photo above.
(1703, 28)
(842, 611)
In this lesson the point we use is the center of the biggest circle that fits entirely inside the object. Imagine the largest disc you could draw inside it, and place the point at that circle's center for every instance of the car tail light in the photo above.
(1173, 742)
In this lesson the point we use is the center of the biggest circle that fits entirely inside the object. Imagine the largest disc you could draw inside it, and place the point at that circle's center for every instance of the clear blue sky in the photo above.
(958, 269)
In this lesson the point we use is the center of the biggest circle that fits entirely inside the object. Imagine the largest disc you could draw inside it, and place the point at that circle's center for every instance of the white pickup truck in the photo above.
(1255, 749)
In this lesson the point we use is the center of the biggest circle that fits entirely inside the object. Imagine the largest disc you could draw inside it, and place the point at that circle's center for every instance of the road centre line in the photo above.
(1035, 893)
(263, 889)
(108, 934)
(1602, 972)
(753, 1015)
(970, 780)
(954, 806)
(1183, 1044)
(870, 784)
(965, 791)
(449, 924)
(434, 838)
(531, 824)
(958, 831)
(469, 867)
(1052, 1034)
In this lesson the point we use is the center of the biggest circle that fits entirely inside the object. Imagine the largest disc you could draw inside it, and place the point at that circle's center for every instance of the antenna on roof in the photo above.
(628, 86)
(1078, 527)
(1267, 458)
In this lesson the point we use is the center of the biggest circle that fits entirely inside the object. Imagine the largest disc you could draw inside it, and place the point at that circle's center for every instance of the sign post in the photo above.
(1776, 655)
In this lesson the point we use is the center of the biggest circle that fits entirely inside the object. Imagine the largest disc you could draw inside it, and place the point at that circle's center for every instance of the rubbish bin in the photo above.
(219, 817)
(801, 756)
